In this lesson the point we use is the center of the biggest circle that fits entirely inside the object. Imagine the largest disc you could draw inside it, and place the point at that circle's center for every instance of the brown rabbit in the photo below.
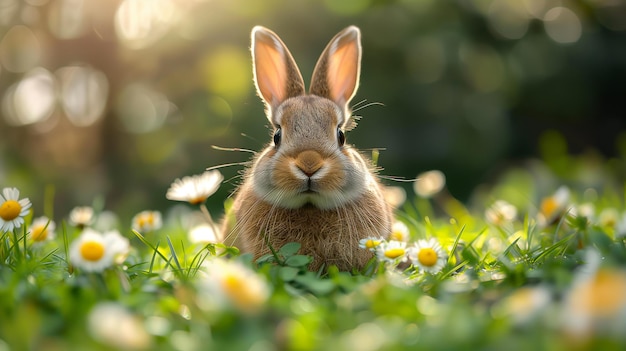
(308, 186)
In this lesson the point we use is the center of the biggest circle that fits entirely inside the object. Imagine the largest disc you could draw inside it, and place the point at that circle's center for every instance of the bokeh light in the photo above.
(426, 59)
(140, 23)
(141, 109)
(563, 25)
(30, 100)
(84, 93)
(67, 19)
(19, 49)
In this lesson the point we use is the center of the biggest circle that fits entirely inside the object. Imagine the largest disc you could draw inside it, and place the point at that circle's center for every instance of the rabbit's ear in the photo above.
(276, 74)
(336, 74)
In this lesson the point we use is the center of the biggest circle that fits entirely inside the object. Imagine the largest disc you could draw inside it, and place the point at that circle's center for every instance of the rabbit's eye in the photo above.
(341, 137)
(277, 135)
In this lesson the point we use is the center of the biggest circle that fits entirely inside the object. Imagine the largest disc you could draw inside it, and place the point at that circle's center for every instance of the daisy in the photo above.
(399, 232)
(392, 251)
(82, 216)
(12, 209)
(526, 303)
(195, 189)
(94, 252)
(609, 217)
(370, 243)
(553, 206)
(202, 234)
(114, 325)
(501, 213)
(596, 303)
(234, 283)
(42, 230)
(147, 221)
(428, 255)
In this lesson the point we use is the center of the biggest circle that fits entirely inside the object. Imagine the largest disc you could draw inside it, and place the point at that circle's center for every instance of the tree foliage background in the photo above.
(112, 100)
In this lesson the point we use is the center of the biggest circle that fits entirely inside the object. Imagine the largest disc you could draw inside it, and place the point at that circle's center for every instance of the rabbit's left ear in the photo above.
(336, 74)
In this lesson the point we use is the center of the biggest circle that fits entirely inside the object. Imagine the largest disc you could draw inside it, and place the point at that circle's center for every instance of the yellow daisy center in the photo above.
(427, 257)
(39, 233)
(144, 220)
(370, 244)
(603, 295)
(197, 200)
(92, 250)
(549, 206)
(397, 235)
(10, 209)
(394, 253)
(238, 291)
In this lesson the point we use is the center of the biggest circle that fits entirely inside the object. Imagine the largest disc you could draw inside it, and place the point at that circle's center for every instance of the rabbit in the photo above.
(308, 185)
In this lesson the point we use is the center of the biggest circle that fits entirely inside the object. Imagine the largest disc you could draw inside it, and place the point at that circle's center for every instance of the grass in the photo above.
(526, 282)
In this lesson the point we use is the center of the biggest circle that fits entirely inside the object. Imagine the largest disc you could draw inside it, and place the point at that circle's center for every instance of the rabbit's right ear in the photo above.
(276, 74)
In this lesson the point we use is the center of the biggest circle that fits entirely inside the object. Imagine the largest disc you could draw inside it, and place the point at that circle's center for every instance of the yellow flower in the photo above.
(12, 209)
(428, 255)
(42, 230)
(195, 189)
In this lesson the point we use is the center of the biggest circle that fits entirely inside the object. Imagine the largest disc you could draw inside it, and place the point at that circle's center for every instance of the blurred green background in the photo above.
(115, 99)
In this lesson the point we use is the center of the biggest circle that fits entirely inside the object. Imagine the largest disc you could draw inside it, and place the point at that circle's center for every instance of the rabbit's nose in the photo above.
(309, 162)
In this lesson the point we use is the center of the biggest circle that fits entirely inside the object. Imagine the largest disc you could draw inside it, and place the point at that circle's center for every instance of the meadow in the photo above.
(520, 268)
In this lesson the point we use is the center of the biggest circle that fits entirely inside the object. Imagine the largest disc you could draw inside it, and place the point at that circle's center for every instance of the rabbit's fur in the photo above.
(308, 186)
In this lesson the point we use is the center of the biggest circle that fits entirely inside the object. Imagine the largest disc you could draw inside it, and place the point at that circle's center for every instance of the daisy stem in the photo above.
(16, 246)
(209, 219)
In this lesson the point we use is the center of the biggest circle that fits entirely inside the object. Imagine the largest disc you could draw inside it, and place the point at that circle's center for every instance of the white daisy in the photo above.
(370, 243)
(596, 303)
(82, 216)
(233, 283)
(147, 221)
(526, 303)
(500, 213)
(399, 232)
(428, 255)
(392, 251)
(12, 209)
(114, 325)
(609, 217)
(554, 206)
(42, 230)
(195, 189)
(202, 234)
(94, 252)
